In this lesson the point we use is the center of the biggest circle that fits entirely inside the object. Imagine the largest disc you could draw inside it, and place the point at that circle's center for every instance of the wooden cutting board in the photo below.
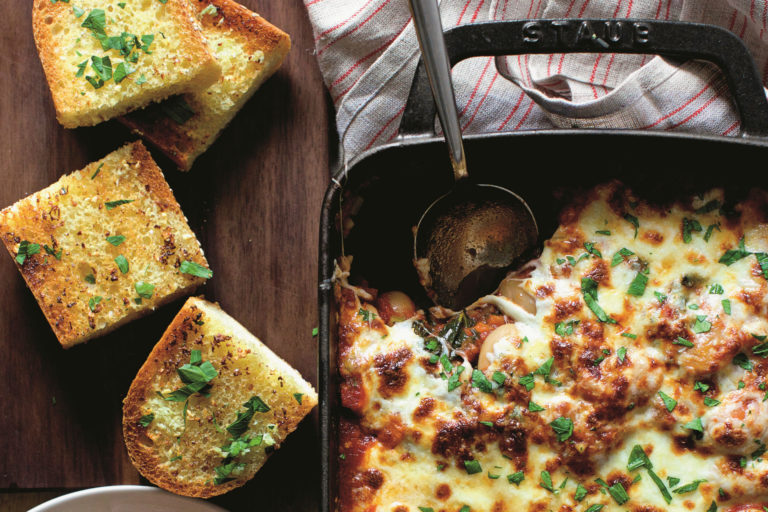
(254, 201)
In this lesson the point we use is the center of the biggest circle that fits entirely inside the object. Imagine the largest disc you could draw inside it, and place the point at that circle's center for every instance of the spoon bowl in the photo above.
(468, 238)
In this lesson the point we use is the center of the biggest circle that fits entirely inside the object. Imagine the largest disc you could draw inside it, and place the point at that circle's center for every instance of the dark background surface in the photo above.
(253, 200)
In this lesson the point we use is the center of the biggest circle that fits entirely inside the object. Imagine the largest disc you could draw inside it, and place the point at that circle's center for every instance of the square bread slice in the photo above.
(249, 50)
(103, 59)
(210, 404)
(103, 245)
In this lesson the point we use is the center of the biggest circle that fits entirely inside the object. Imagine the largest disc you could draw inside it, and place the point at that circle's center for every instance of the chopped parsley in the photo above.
(122, 264)
(701, 324)
(145, 420)
(581, 493)
(589, 292)
(632, 220)
(716, 289)
(618, 493)
(711, 229)
(660, 297)
(726, 306)
(688, 487)
(637, 286)
(90, 278)
(701, 386)
(144, 290)
(621, 354)
(682, 341)
(563, 428)
(516, 478)
(689, 226)
(472, 467)
(534, 407)
(298, 397)
(591, 249)
(195, 269)
(26, 249)
(527, 381)
(93, 302)
(743, 361)
(565, 328)
(546, 481)
(695, 425)
(111, 205)
(638, 459)
(669, 402)
(480, 381)
(116, 240)
(672, 481)
(620, 256)
(731, 256)
(196, 375)
(53, 252)
(252, 406)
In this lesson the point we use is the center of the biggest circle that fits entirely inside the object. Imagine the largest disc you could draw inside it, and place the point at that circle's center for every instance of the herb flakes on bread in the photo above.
(249, 50)
(210, 404)
(103, 59)
(103, 245)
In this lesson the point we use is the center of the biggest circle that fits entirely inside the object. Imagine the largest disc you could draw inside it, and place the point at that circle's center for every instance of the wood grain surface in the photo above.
(254, 201)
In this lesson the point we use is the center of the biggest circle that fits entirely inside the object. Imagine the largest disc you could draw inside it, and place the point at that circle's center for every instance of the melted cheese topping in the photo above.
(639, 309)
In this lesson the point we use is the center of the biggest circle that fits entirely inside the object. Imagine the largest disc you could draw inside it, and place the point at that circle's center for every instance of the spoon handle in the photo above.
(429, 30)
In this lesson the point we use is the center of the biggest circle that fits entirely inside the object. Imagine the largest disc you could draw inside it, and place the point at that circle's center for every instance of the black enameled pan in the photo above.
(391, 185)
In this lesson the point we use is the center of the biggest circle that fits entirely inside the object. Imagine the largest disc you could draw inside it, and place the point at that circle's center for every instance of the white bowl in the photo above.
(125, 498)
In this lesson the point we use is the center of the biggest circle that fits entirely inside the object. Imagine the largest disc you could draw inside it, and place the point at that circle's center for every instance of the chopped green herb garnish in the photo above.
(726, 306)
(472, 467)
(595, 508)
(621, 354)
(669, 402)
(195, 269)
(488, 424)
(672, 481)
(480, 382)
(688, 487)
(701, 324)
(546, 481)
(660, 296)
(694, 425)
(637, 286)
(145, 420)
(298, 397)
(591, 249)
(701, 386)
(563, 428)
(144, 290)
(638, 459)
(527, 381)
(618, 493)
(111, 205)
(116, 240)
(581, 493)
(629, 335)
(53, 252)
(716, 289)
(689, 226)
(90, 278)
(731, 256)
(534, 407)
(743, 361)
(95, 21)
(565, 328)
(632, 220)
(620, 256)
(662, 488)
(516, 478)
(589, 292)
(26, 249)
(252, 406)
(682, 341)
(93, 302)
(603, 232)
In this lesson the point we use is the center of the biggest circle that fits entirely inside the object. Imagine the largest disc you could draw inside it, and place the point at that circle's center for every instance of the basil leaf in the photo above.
(695, 425)
(25, 250)
(480, 382)
(534, 407)
(620, 256)
(96, 21)
(664, 492)
(241, 423)
(637, 286)
(591, 249)
(731, 256)
(546, 481)
(638, 459)
(516, 478)
(618, 493)
(688, 487)
(144, 290)
(581, 493)
(472, 467)
(632, 220)
(145, 420)
(111, 205)
(690, 225)
(701, 324)
(743, 361)
(93, 302)
(726, 306)
(116, 240)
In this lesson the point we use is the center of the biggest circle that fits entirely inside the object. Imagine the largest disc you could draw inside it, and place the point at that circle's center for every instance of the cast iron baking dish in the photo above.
(389, 186)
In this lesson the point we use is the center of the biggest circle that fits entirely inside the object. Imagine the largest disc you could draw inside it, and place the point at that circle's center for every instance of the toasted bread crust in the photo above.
(54, 217)
(216, 106)
(62, 43)
(245, 366)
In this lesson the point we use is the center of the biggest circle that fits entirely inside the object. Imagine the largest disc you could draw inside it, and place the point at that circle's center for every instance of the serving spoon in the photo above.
(468, 238)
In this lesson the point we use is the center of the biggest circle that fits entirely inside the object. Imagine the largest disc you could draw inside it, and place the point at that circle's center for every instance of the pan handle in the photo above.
(666, 38)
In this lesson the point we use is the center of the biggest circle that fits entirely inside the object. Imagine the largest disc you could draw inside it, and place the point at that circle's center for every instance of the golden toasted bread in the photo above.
(103, 59)
(249, 50)
(103, 245)
(210, 404)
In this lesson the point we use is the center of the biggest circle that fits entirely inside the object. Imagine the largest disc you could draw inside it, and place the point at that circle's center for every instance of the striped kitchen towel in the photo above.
(368, 52)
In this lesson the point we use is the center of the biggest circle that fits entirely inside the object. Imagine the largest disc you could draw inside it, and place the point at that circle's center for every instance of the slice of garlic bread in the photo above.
(210, 404)
(103, 245)
(103, 58)
(249, 50)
